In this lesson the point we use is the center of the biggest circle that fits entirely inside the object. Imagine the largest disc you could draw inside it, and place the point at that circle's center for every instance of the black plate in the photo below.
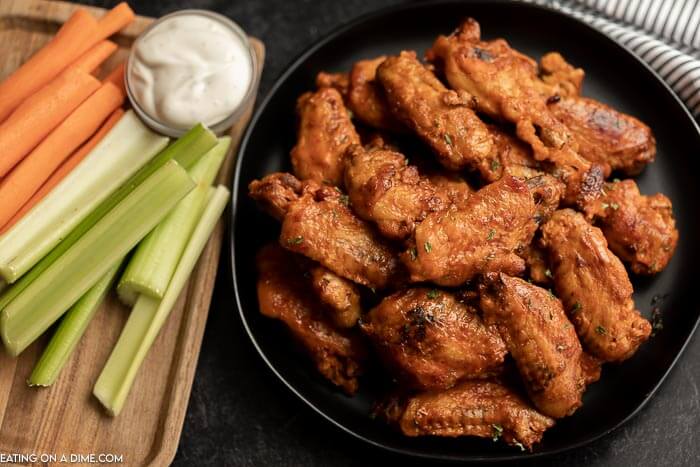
(614, 76)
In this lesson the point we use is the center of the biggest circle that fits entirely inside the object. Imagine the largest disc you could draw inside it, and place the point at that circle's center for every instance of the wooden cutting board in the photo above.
(66, 419)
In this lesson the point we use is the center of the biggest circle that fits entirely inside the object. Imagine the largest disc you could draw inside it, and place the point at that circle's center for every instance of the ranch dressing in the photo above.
(190, 67)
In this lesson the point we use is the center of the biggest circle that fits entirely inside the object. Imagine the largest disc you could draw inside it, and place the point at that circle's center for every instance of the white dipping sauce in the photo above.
(188, 69)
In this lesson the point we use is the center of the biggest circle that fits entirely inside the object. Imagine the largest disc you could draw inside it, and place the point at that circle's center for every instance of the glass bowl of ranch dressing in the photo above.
(188, 67)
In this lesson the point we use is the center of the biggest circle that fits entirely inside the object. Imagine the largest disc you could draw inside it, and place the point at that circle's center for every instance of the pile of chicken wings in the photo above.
(456, 220)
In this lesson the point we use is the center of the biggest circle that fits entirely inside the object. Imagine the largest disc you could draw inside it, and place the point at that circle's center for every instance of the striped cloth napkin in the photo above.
(664, 33)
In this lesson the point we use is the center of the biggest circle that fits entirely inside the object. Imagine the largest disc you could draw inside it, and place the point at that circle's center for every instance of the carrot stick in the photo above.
(114, 20)
(116, 77)
(93, 58)
(26, 179)
(71, 41)
(80, 33)
(66, 168)
(32, 121)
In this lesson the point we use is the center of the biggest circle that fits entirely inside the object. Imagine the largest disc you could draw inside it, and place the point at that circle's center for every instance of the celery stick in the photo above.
(185, 150)
(79, 268)
(117, 157)
(147, 317)
(70, 331)
(155, 260)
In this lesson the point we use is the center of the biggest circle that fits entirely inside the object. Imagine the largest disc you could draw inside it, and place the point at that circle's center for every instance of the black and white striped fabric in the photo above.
(664, 33)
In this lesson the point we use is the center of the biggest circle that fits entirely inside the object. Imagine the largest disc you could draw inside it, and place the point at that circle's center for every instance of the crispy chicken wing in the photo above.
(284, 294)
(640, 229)
(338, 81)
(430, 340)
(514, 156)
(453, 246)
(340, 297)
(384, 189)
(451, 187)
(366, 98)
(325, 132)
(516, 159)
(507, 87)
(540, 338)
(559, 77)
(318, 224)
(472, 408)
(594, 287)
(537, 268)
(440, 117)
(275, 192)
(591, 367)
(605, 136)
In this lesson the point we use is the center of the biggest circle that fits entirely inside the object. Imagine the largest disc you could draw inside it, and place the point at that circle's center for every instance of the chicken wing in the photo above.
(605, 136)
(430, 340)
(451, 187)
(338, 81)
(340, 297)
(453, 246)
(325, 132)
(366, 98)
(275, 192)
(472, 408)
(540, 338)
(440, 117)
(591, 367)
(559, 77)
(594, 287)
(318, 224)
(516, 159)
(284, 294)
(640, 229)
(537, 268)
(384, 189)
(506, 86)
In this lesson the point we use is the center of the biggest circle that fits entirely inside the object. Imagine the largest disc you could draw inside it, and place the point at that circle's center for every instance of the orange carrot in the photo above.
(78, 35)
(32, 121)
(26, 179)
(66, 168)
(116, 77)
(94, 57)
(114, 20)
(70, 42)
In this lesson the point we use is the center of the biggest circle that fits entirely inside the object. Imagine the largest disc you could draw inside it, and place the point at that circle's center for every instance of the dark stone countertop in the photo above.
(240, 415)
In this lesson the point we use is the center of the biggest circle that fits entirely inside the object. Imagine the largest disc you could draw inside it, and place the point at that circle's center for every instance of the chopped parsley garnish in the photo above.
(428, 247)
(345, 199)
(448, 140)
(492, 233)
(616, 180)
(601, 330)
(295, 240)
(548, 273)
(520, 445)
(615, 206)
(577, 306)
(433, 294)
(414, 253)
(496, 432)
(495, 165)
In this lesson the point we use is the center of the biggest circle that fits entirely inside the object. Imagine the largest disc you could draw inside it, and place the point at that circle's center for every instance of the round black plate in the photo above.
(613, 76)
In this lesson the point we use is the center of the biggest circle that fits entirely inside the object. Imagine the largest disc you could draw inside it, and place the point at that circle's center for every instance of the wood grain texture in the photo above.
(66, 418)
